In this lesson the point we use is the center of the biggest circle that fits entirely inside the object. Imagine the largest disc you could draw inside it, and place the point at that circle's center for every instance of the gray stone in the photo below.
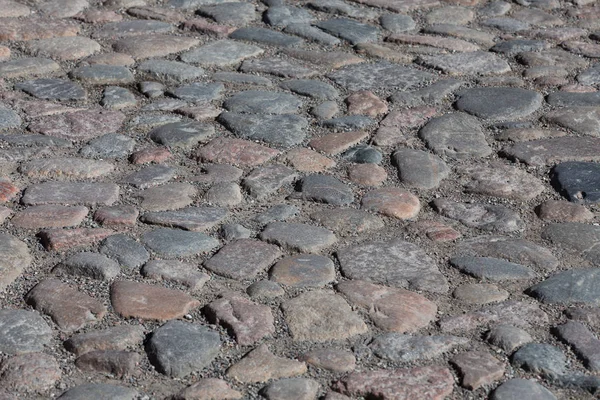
(117, 98)
(243, 259)
(508, 337)
(281, 67)
(86, 193)
(325, 189)
(266, 36)
(432, 94)
(363, 154)
(14, 258)
(279, 130)
(578, 237)
(350, 122)
(339, 7)
(9, 118)
(419, 169)
(234, 232)
(179, 348)
(521, 389)
(23, 331)
(487, 217)
(380, 75)
(99, 391)
(27, 67)
(52, 89)
(292, 388)
(263, 102)
(348, 221)
(303, 270)
(103, 74)
(503, 181)
(221, 53)
(195, 219)
(398, 347)
(578, 182)
(461, 32)
(397, 23)
(279, 212)
(148, 121)
(350, 30)
(265, 290)
(170, 71)
(175, 271)
(470, 63)
(569, 287)
(152, 175)
(126, 250)
(199, 92)
(540, 358)
(112, 145)
(505, 24)
(582, 120)
(242, 79)
(65, 168)
(515, 46)
(312, 88)
(493, 269)
(583, 342)
(34, 140)
(554, 150)
(311, 33)
(132, 28)
(455, 135)
(229, 12)
(282, 16)
(92, 265)
(184, 135)
(151, 89)
(177, 243)
(499, 103)
(590, 76)
(395, 263)
(298, 237)
(570, 99)
(264, 181)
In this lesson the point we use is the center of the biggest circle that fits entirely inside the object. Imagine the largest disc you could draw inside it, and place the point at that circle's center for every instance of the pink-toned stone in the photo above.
(50, 216)
(330, 359)
(235, 151)
(4, 53)
(115, 338)
(367, 174)
(69, 308)
(216, 173)
(434, 41)
(306, 160)
(8, 191)
(393, 202)
(112, 58)
(437, 231)
(32, 372)
(200, 113)
(384, 51)
(96, 16)
(158, 13)
(13, 9)
(204, 26)
(365, 102)
(64, 48)
(116, 216)
(80, 125)
(423, 383)
(154, 154)
(5, 212)
(391, 309)
(115, 362)
(64, 239)
(147, 46)
(478, 368)
(591, 50)
(35, 28)
(526, 134)
(260, 365)
(249, 322)
(138, 300)
(479, 293)
(563, 211)
(41, 108)
(208, 388)
(170, 196)
(335, 143)
(577, 88)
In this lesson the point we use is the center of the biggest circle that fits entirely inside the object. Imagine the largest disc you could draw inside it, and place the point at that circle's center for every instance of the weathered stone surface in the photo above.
(303, 270)
(477, 368)
(335, 143)
(479, 293)
(507, 337)
(198, 92)
(393, 202)
(175, 271)
(420, 169)
(221, 53)
(347, 221)
(569, 287)
(195, 219)
(563, 211)
(300, 237)
(265, 290)
(115, 362)
(80, 125)
(379, 76)
(325, 189)
(493, 269)
(266, 36)
(14, 258)
(583, 342)
(267, 180)
(398, 347)
(330, 359)
(518, 388)
(36, 28)
(260, 365)
(279, 130)
(98, 390)
(297, 388)
(577, 181)
(450, 44)
(52, 89)
(148, 46)
(182, 134)
(541, 358)
(23, 331)
(488, 217)
(93, 265)
(65, 168)
(64, 48)
(367, 174)
(154, 175)
(126, 250)
(262, 102)
(578, 237)
(501, 180)
(33, 372)
(176, 243)
(236, 152)
(28, 67)
(349, 30)
(115, 338)
(208, 388)
(109, 146)
(582, 120)
(543, 152)
(64, 239)
(243, 259)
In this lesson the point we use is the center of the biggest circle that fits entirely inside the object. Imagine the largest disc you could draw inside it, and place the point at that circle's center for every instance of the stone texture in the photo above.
(541, 358)
(115, 338)
(52, 89)
(299, 237)
(493, 269)
(325, 189)
(577, 181)
(148, 46)
(508, 337)
(279, 130)
(303, 270)
(268, 180)
(496, 104)
(36, 28)
(392, 202)
(115, 362)
(554, 150)
(477, 368)
(582, 120)
(487, 217)
(517, 388)
(419, 169)
(117, 216)
(243, 259)
(563, 211)
(64, 239)
(260, 365)
(330, 359)
(347, 221)
(479, 293)
(236, 152)
(64, 48)
(379, 76)
(208, 388)
(96, 390)
(502, 181)
(172, 243)
(23, 331)
(398, 347)
(170, 196)
(33, 372)
(79, 125)
(583, 342)
(297, 388)
(65, 168)
(14, 258)
(93, 265)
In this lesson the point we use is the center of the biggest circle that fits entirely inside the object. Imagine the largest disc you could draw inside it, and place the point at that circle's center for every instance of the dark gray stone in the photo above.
(9, 118)
(27, 66)
(23, 331)
(363, 154)
(399, 347)
(151, 89)
(488, 217)
(191, 218)
(221, 53)
(282, 16)
(350, 30)
(432, 94)
(132, 27)
(263, 102)
(507, 337)
(281, 67)
(397, 23)
(303, 270)
(117, 98)
(198, 92)
(185, 134)
(540, 358)
(99, 391)
(583, 342)
(380, 75)
(292, 388)
(86, 193)
(100, 74)
(543, 152)
(505, 24)
(34, 139)
(349, 122)
(311, 33)
(298, 237)
(312, 88)
(179, 348)
(515, 46)
(52, 89)
(279, 212)
(499, 103)
(570, 99)
(126, 250)
(92, 265)
(579, 286)
(170, 71)
(229, 12)
(279, 130)
(266, 36)
(325, 189)
(493, 269)
(177, 243)
(264, 181)
(112, 145)
(235, 231)
(339, 7)
(577, 237)
(470, 63)
(347, 221)
(419, 169)
(590, 76)
(521, 389)
(152, 175)
(582, 120)
(243, 259)
(578, 182)
(164, 104)
(239, 78)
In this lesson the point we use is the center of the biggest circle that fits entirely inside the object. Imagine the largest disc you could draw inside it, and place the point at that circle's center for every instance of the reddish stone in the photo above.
(478, 368)
(577, 88)
(216, 173)
(208, 388)
(158, 13)
(331, 359)
(154, 154)
(50, 216)
(583, 48)
(306, 160)
(235, 151)
(117, 216)
(80, 125)
(35, 28)
(437, 231)
(365, 102)
(8, 191)
(13, 9)
(434, 41)
(138, 300)
(335, 143)
(384, 51)
(202, 25)
(563, 211)
(40, 108)
(32, 372)
(394, 126)
(170, 196)
(200, 113)
(367, 174)
(260, 365)
(69, 308)
(115, 362)
(115, 338)
(64, 239)
(4, 53)
(393, 202)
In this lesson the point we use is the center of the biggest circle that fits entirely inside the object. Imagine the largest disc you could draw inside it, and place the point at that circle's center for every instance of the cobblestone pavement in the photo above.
(299, 199)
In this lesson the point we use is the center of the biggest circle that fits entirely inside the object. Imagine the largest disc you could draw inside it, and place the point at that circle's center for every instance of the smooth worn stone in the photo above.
(325, 189)
(380, 75)
(266, 36)
(365, 102)
(412, 268)
(109, 146)
(367, 174)
(582, 120)
(298, 237)
(148, 46)
(221, 53)
(62, 8)
(215, 173)
(151, 154)
(283, 16)
(578, 237)
(170, 71)
(303, 270)
(306, 160)
(150, 176)
(265, 290)
(347, 221)
(451, 29)
(568, 287)
(5, 212)
(456, 135)
(563, 211)
(458, 15)
(590, 76)
(23, 331)
(79, 125)
(33, 28)
(555, 150)
(280, 130)
(399, 347)
(206, 27)
(65, 168)
(195, 219)
(115, 362)
(248, 322)
(175, 271)
(279, 212)
(119, 337)
(296, 388)
(419, 169)
(349, 30)
(320, 316)
(311, 33)
(312, 88)
(262, 102)
(578, 181)
(335, 143)
(500, 103)
(435, 42)
(591, 50)
(132, 28)
(71, 193)
(9, 118)
(487, 217)
(27, 67)
(117, 216)
(506, 24)
(325, 59)
(202, 112)
(392, 202)
(551, 57)
(521, 388)
(437, 231)
(590, 316)
(435, 93)
(125, 250)
(432, 382)
(34, 141)
(503, 181)
(281, 67)
(570, 99)
(583, 342)
(390, 309)
(241, 78)
(179, 348)
(112, 58)
(64, 48)
(540, 358)
(267, 180)
(243, 259)
(235, 151)
(516, 46)
(493, 269)
(156, 13)
(52, 89)
(34, 372)
(165, 105)
(138, 300)
(511, 249)
(229, 13)
(69, 308)
(50, 216)
(198, 92)
(99, 390)
(64, 239)
(471, 63)
(479, 293)
(477, 368)
(171, 196)
(330, 359)
(93, 265)
(208, 388)
(13, 9)
(507, 337)
(260, 365)
(173, 243)
(519, 314)
(183, 135)
(397, 23)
